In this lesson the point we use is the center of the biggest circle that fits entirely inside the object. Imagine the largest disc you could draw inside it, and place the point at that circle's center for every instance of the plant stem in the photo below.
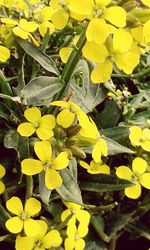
(29, 187)
(72, 62)
(4, 212)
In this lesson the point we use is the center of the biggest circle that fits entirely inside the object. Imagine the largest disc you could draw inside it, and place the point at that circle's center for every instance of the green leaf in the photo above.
(98, 224)
(115, 148)
(73, 167)
(118, 134)
(104, 183)
(88, 100)
(40, 91)
(69, 190)
(45, 61)
(11, 139)
(5, 237)
(112, 110)
(44, 192)
(139, 229)
(141, 118)
(117, 223)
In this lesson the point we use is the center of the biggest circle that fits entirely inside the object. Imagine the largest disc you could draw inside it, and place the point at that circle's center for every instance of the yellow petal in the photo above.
(65, 118)
(52, 239)
(146, 2)
(52, 179)
(61, 104)
(44, 133)
(84, 164)
(19, 32)
(145, 180)
(135, 135)
(60, 19)
(14, 225)
(95, 52)
(124, 172)
(102, 3)
(31, 227)
(146, 134)
(79, 244)
(65, 214)
(46, 26)
(26, 129)
(31, 166)
(103, 147)
(139, 165)
(4, 54)
(28, 26)
(32, 114)
(14, 205)
(65, 53)
(48, 121)
(2, 171)
(61, 161)
(24, 243)
(146, 31)
(146, 145)
(82, 230)
(122, 40)
(9, 21)
(2, 187)
(69, 244)
(32, 207)
(84, 7)
(133, 192)
(43, 150)
(116, 15)
(97, 31)
(83, 217)
(102, 72)
(127, 62)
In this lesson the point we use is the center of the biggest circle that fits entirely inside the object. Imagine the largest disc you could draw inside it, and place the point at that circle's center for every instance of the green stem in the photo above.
(45, 41)
(4, 212)
(72, 62)
(29, 187)
(101, 208)
(4, 85)
(99, 229)
(136, 75)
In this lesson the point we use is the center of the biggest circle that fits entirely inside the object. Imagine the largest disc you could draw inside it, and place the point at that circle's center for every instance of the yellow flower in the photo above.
(4, 54)
(46, 163)
(137, 175)
(77, 212)
(75, 235)
(70, 111)
(42, 125)
(43, 240)
(95, 168)
(23, 219)
(23, 28)
(139, 137)
(2, 173)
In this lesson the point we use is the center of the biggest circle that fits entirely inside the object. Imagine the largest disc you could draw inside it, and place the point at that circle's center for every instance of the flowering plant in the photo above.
(75, 124)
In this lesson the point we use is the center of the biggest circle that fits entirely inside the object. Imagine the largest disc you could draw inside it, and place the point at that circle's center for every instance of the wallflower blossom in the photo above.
(77, 212)
(46, 163)
(138, 175)
(2, 173)
(139, 137)
(95, 168)
(75, 235)
(42, 125)
(43, 240)
(4, 54)
(23, 219)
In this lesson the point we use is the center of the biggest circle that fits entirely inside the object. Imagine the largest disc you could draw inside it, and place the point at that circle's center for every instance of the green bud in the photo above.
(132, 21)
(77, 152)
(84, 142)
(73, 130)
(129, 5)
(142, 14)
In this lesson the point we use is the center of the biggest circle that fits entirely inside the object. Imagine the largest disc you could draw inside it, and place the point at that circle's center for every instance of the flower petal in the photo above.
(24, 243)
(102, 72)
(31, 166)
(61, 161)
(26, 129)
(146, 146)
(69, 244)
(52, 239)
(60, 18)
(145, 180)
(2, 187)
(79, 244)
(2, 171)
(139, 165)
(97, 30)
(64, 53)
(43, 150)
(44, 133)
(65, 118)
(14, 205)
(32, 114)
(116, 15)
(52, 179)
(82, 230)
(124, 172)
(48, 121)
(32, 207)
(133, 192)
(83, 217)
(122, 40)
(14, 225)
(84, 164)
(65, 214)
(31, 227)
(4, 54)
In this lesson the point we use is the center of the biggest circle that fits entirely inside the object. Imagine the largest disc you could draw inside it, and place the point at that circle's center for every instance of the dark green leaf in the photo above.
(45, 61)
(44, 192)
(69, 190)
(115, 148)
(41, 90)
(118, 134)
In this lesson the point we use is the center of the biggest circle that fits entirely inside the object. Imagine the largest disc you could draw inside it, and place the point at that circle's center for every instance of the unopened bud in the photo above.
(73, 130)
(77, 152)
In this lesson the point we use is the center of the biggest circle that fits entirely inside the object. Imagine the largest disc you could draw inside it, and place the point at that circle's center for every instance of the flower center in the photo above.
(36, 125)
(38, 244)
(23, 216)
(97, 12)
